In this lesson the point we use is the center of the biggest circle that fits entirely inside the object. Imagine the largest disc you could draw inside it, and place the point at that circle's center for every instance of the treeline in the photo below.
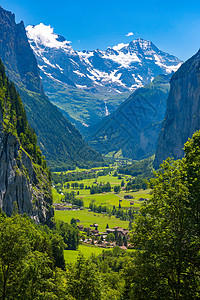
(78, 176)
(141, 171)
(143, 167)
(65, 177)
(70, 198)
(100, 277)
(15, 120)
(32, 258)
(102, 188)
(125, 215)
(137, 183)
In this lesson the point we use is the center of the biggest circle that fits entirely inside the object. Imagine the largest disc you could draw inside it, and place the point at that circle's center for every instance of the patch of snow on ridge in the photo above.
(81, 86)
(106, 109)
(85, 55)
(48, 62)
(170, 69)
(79, 73)
(44, 35)
(59, 67)
(123, 59)
(105, 77)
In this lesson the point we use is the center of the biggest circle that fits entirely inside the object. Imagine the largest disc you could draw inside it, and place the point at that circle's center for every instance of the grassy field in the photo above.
(104, 179)
(108, 199)
(86, 250)
(56, 196)
(104, 199)
(86, 218)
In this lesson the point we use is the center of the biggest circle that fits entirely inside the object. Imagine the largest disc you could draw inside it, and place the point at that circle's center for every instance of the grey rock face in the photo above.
(16, 54)
(20, 187)
(183, 111)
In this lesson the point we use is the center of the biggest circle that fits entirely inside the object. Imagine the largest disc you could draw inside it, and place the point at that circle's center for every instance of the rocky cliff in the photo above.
(25, 186)
(183, 111)
(59, 140)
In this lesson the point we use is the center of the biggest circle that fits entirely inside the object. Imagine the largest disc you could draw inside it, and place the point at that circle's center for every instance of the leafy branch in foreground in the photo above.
(167, 233)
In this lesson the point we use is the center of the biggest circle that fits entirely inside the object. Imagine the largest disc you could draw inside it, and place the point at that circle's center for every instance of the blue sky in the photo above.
(173, 26)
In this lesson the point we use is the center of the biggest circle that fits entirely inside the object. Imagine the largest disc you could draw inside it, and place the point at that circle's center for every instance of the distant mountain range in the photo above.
(59, 140)
(99, 80)
(132, 130)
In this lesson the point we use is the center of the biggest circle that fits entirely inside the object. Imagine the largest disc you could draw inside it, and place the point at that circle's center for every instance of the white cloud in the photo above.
(120, 46)
(45, 35)
(129, 34)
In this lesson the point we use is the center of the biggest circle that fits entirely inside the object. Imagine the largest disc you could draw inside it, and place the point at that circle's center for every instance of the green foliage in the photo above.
(141, 171)
(117, 189)
(57, 245)
(96, 189)
(143, 168)
(70, 198)
(119, 213)
(110, 237)
(78, 176)
(167, 232)
(84, 281)
(69, 235)
(73, 221)
(26, 261)
(14, 118)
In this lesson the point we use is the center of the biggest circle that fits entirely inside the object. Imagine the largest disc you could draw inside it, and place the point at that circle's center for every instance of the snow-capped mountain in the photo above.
(119, 69)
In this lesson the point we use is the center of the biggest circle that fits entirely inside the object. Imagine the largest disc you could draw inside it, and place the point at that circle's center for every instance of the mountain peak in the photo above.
(144, 44)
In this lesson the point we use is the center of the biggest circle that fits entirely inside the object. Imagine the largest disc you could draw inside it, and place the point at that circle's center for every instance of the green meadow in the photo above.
(87, 218)
(86, 250)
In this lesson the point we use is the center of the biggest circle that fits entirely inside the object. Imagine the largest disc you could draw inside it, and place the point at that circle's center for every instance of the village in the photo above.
(111, 238)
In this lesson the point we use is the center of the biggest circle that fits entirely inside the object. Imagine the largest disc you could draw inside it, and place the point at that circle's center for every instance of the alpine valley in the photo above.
(103, 218)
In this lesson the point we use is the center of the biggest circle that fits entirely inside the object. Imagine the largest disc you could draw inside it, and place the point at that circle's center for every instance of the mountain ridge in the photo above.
(101, 80)
(97, 65)
(60, 141)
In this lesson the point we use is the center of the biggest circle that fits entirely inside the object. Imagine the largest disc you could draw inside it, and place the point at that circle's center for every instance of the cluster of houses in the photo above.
(66, 206)
(99, 238)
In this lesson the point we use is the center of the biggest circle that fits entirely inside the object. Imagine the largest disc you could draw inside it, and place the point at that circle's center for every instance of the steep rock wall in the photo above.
(23, 186)
(182, 117)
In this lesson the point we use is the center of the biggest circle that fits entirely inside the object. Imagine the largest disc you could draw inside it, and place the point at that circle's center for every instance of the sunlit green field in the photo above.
(86, 250)
(86, 218)
(108, 199)
(104, 179)
(56, 196)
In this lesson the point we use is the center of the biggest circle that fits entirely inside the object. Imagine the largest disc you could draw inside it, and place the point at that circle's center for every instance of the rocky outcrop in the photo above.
(24, 187)
(16, 53)
(183, 111)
